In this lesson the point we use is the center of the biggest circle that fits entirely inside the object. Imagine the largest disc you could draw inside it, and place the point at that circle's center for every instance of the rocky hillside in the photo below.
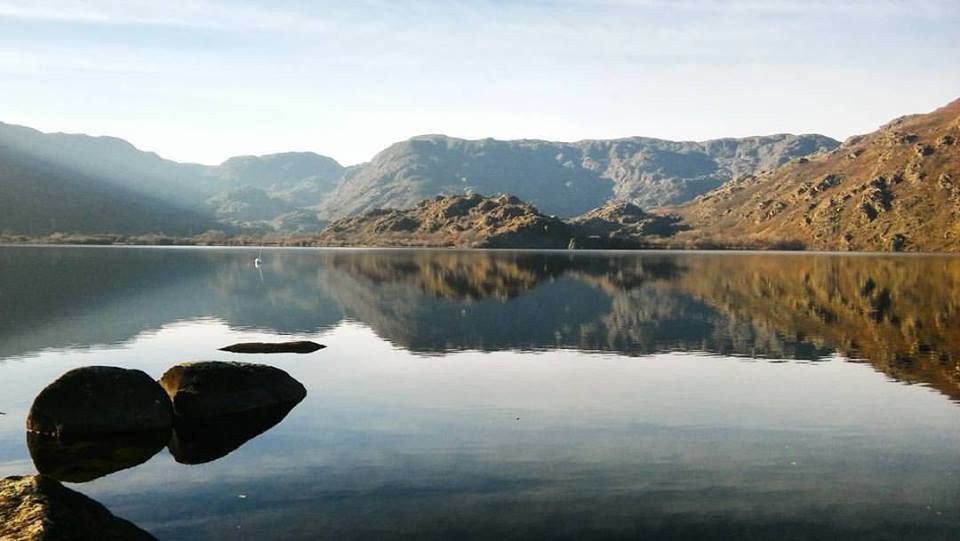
(895, 189)
(566, 179)
(458, 220)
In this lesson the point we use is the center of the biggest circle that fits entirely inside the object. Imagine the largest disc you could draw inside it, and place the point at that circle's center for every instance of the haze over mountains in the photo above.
(78, 184)
(52, 181)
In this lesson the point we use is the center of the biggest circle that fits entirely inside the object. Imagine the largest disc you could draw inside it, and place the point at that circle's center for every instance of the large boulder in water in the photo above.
(36, 507)
(100, 400)
(209, 389)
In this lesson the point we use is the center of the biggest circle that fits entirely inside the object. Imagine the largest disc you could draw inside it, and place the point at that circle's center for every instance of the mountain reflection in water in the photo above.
(898, 313)
(512, 394)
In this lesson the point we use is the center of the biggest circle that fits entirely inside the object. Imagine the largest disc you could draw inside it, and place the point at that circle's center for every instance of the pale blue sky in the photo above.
(205, 80)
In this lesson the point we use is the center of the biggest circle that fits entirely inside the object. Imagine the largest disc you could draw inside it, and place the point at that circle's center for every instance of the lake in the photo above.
(522, 394)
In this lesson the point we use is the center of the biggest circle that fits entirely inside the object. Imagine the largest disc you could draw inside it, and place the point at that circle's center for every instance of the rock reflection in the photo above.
(79, 460)
(202, 441)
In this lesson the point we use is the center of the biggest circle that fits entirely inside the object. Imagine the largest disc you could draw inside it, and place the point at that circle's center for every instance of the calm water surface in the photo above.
(523, 394)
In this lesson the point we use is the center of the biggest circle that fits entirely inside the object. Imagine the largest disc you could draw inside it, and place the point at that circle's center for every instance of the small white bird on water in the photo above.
(258, 261)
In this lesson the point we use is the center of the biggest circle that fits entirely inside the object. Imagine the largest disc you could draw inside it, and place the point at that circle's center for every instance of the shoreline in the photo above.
(171, 242)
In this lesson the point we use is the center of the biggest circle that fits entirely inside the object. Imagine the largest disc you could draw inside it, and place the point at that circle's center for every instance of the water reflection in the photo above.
(898, 313)
(901, 314)
(202, 441)
(79, 460)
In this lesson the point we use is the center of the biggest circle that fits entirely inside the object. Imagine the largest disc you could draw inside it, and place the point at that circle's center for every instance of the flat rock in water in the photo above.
(302, 346)
(209, 389)
(36, 507)
(100, 400)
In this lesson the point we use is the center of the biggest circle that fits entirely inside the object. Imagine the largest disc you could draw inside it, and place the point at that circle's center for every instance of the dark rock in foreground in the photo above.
(40, 508)
(198, 442)
(210, 389)
(100, 400)
(77, 460)
(303, 346)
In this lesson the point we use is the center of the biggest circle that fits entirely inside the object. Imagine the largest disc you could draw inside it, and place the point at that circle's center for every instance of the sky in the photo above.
(208, 79)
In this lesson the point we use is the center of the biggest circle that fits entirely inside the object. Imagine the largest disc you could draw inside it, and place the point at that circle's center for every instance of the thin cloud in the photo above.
(210, 15)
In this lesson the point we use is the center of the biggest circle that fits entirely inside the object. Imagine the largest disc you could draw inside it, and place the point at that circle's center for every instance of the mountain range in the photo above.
(55, 182)
(897, 188)
(564, 179)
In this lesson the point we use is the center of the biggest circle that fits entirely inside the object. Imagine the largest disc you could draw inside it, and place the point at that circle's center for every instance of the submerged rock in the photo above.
(302, 346)
(210, 389)
(201, 441)
(100, 400)
(36, 507)
(78, 460)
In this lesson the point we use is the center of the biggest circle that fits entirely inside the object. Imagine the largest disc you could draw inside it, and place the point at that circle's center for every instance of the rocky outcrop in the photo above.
(99, 400)
(209, 389)
(469, 221)
(621, 225)
(474, 221)
(40, 508)
(302, 346)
